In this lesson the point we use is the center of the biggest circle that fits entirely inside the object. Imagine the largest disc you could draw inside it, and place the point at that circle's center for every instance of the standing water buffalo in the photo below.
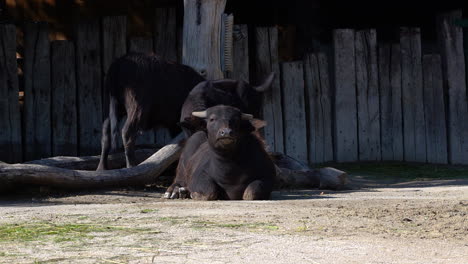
(151, 93)
(228, 162)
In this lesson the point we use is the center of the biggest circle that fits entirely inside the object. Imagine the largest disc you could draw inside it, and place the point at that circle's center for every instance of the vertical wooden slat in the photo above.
(241, 53)
(295, 128)
(451, 40)
(318, 94)
(434, 109)
(267, 61)
(89, 83)
(144, 45)
(414, 131)
(10, 117)
(37, 91)
(397, 111)
(165, 33)
(346, 141)
(390, 102)
(367, 88)
(64, 108)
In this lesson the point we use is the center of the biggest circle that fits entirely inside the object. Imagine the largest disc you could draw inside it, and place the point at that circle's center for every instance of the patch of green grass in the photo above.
(405, 171)
(147, 211)
(3, 254)
(57, 232)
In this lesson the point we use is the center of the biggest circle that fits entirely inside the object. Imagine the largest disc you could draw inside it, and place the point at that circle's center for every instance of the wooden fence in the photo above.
(367, 101)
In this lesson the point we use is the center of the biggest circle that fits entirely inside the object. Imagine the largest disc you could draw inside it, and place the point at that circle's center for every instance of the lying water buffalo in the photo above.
(151, 93)
(228, 162)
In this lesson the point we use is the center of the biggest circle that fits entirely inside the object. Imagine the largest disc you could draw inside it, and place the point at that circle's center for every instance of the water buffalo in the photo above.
(151, 93)
(227, 162)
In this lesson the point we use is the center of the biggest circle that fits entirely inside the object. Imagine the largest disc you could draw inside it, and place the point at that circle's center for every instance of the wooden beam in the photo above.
(368, 101)
(201, 37)
(319, 109)
(434, 110)
(346, 140)
(10, 115)
(37, 91)
(267, 61)
(241, 53)
(390, 102)
(165, 33)
(89, 83)
(295, 128)
(453, 61)
(414, 131)
(64, 108)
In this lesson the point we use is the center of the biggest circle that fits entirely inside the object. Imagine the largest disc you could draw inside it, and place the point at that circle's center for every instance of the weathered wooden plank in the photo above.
(397, 111)
(145, 45)
(451, 41)
(267, 61)
(201, 37)
(295, 128)
(241, 53)
(37, 91)
(64, 108)
(434, 109)
(10, 116)
(89, 83)
(346, 140)
(165, 33)
(367, 89)
(390, 102)
(414, 131)
(318, 107)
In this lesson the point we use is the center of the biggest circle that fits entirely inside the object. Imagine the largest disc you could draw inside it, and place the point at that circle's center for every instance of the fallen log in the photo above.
(293, 174)
(145, 173)
(115, 161)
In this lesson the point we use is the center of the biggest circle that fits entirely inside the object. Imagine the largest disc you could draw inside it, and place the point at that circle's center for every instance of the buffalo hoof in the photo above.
(176, 193)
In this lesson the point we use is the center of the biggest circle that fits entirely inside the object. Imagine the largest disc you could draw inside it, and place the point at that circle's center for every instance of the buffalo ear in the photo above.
(266, 85)
(258, 123)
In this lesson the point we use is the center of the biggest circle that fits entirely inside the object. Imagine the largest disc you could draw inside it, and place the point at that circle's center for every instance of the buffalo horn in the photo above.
(201, 114)
(247, 116)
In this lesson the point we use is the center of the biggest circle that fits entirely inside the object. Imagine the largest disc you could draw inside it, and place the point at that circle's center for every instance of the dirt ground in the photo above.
(374, 222)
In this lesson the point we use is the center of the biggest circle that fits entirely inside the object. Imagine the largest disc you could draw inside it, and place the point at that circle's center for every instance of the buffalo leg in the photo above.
(129, 134)
(203, 188)
(105, 145)
(257, 190)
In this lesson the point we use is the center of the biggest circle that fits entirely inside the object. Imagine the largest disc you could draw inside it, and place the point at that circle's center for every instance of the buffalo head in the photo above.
(225, 126)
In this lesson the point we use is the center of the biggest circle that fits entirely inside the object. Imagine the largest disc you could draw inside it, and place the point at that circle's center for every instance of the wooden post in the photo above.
(367, 87)
(10, 116)
(144, 45)
(346, 141)
(165, 33)
(241, 53)
(267, 61)
(64, 115)
(390, 102)
(295, 127)
(434, 110)
(201, 40)
(37, 91)
(414, 131)
(89, 92)
(451, 41)
(318, 95)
